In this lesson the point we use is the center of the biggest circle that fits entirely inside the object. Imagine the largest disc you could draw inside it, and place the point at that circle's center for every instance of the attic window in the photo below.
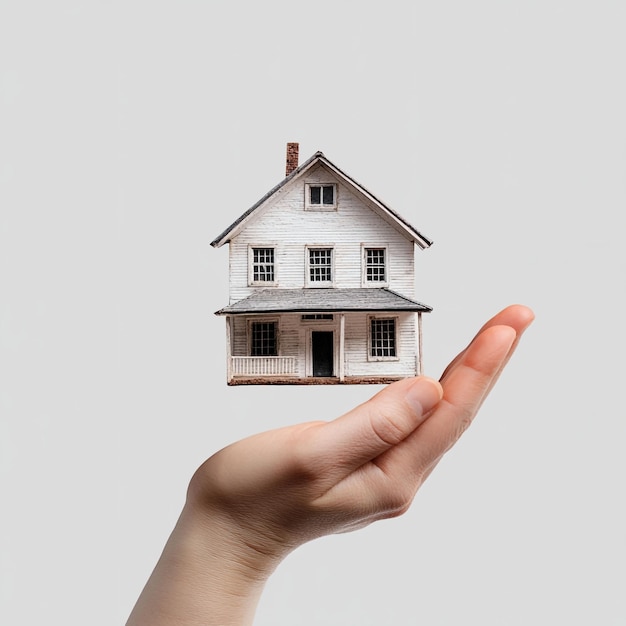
(321, 197)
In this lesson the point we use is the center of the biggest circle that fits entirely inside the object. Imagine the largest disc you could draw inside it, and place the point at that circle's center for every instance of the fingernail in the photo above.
(424, 395)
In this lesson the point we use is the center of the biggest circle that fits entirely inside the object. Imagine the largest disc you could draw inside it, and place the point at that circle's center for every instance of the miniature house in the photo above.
(321, 284)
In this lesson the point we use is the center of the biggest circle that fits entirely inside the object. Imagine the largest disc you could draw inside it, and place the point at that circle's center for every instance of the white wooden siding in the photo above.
(285, 225)
(357, 344)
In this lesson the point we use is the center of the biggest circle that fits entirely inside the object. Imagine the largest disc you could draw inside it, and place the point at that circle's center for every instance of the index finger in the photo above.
(517, 316)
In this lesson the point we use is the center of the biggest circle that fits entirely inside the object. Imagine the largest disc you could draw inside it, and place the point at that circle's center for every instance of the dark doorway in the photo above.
(322, 351)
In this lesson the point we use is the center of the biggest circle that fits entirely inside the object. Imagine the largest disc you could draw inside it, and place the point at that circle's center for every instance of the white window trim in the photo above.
(374, 283)
(307, 266)
(262, 320)
(320, 207)
(261, 283)
(369, 338)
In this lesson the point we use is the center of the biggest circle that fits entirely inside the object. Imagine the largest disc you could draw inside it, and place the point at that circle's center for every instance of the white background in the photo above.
(132, 133)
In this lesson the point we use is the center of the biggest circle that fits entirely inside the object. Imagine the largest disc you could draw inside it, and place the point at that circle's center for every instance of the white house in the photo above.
(321, 284)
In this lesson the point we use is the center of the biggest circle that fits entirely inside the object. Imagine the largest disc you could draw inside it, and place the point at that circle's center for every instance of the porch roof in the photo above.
(323, 300)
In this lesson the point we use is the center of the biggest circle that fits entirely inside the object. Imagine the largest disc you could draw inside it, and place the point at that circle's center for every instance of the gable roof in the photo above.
(411, 232)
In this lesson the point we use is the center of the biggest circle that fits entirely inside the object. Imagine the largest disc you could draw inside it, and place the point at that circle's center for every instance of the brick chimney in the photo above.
(292, 158)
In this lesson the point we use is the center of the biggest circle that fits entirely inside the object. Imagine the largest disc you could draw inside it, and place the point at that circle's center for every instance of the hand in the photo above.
(253, 502)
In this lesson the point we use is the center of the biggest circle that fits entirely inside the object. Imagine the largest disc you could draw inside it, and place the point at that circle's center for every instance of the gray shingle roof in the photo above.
(322, 300)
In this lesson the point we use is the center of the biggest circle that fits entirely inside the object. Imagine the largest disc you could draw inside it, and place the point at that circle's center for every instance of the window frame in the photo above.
(364, 280)
(309, 206)
(250, 339)
(263, 283)
(370, 346)
(317, 318)
(307, 264)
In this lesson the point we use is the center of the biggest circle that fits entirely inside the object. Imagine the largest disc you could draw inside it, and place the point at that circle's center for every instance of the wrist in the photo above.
(216, 540)
(207, 575)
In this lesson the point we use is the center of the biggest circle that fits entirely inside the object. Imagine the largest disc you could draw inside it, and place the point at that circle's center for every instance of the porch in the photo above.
(280, 338)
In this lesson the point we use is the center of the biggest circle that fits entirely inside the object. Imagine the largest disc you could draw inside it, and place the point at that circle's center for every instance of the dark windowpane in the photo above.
(329, 196)
(316, 194)
(264, 339)
(383, 338)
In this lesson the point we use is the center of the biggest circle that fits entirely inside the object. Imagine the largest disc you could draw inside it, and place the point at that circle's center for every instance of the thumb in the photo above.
(375, 426)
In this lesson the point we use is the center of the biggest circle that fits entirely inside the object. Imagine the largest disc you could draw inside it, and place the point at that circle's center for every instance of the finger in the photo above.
(386, 486)
(520, 318)
(345, 444)
(464, 391)
(516, 316)
(383, 421)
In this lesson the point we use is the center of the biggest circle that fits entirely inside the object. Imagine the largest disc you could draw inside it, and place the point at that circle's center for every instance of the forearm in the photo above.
(204, 577)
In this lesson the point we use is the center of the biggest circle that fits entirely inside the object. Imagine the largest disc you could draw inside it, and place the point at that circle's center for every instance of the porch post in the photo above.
(229, 335)
(342, 333)
(419, 344)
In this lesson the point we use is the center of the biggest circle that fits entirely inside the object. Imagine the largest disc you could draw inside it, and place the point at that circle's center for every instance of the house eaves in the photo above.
(323, 300)
(239, 223)
(410, 231)
(417, 237)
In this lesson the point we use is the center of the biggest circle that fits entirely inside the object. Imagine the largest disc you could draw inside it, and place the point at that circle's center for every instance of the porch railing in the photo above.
(263, 366)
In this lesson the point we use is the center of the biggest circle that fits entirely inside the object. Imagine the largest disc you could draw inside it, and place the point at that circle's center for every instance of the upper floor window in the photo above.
(375, 265)
(321, 197)
(320, 261)
(262, 265)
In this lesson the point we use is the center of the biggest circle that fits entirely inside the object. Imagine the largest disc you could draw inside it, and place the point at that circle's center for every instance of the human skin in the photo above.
(252, 503)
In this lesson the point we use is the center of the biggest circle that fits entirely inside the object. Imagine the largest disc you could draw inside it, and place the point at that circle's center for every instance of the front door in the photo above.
(322, 352)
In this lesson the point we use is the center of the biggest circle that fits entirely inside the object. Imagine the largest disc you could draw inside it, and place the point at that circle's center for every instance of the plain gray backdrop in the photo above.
(132, 133)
